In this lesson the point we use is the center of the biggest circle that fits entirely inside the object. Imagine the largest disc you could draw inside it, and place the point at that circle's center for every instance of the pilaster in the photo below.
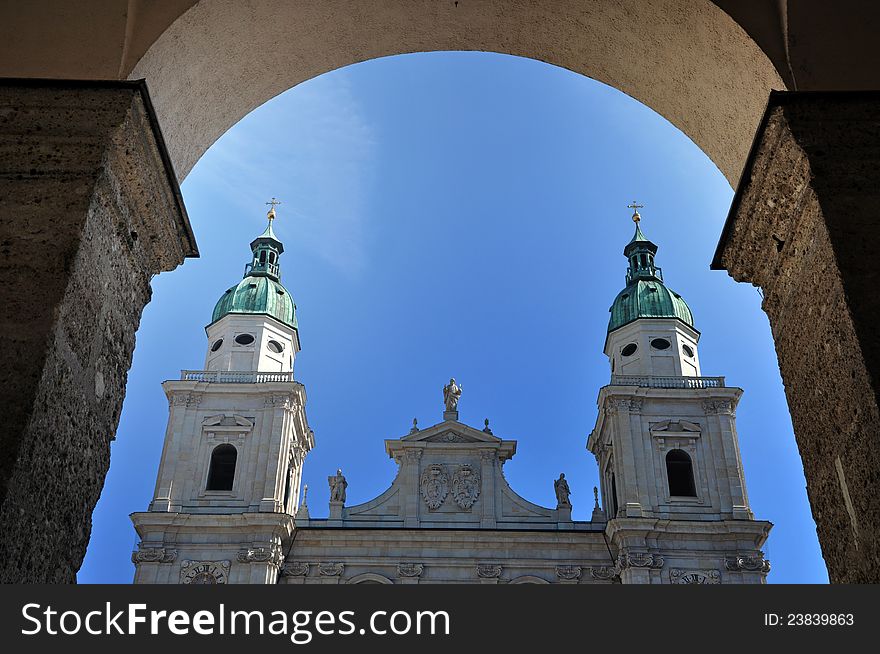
(488, 461)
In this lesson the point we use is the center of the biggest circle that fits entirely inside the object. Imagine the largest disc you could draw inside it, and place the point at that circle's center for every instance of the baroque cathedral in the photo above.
(228, 507)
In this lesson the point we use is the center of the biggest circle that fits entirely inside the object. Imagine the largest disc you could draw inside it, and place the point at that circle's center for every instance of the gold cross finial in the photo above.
(273, 202)
(635, 207)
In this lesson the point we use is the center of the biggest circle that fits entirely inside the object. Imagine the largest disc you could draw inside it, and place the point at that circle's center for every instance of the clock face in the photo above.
(694, 578)
(205, 572)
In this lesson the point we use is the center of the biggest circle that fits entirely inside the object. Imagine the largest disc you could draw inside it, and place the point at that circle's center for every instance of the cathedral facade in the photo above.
(228, 507)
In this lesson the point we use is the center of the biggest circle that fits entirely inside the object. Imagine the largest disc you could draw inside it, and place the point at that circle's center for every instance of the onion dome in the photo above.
(645, 295)
(261, 291)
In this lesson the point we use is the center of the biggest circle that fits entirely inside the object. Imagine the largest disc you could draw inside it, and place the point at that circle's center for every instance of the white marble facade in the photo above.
(226, 508)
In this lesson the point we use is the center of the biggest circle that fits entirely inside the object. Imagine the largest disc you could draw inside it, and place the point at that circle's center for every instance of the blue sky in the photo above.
(457, 214)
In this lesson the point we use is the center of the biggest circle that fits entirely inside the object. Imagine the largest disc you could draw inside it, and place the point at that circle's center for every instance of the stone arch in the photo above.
(686, 59)
(369, 578)
(529, 579)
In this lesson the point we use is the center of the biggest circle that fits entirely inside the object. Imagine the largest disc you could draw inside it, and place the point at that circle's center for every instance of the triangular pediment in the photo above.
(450, 431)
(675, 426)
(224, 420)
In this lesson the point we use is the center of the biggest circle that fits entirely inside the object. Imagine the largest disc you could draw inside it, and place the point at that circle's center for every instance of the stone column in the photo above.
(804, 227)
(90, 210)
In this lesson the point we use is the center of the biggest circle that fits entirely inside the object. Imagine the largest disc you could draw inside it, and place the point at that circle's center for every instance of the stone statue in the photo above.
(337, 486)
(451, 395)
(562, 491)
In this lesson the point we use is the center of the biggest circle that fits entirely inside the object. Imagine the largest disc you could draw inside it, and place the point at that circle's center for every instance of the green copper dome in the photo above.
(648, 299)
(645, 295)
(258, 294)
(261, 291)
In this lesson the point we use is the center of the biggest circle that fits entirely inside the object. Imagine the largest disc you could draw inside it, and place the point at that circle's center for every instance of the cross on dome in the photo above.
(635, 207)
(271, 214)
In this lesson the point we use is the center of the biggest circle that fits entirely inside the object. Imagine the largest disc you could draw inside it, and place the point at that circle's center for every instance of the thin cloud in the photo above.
(315, 150)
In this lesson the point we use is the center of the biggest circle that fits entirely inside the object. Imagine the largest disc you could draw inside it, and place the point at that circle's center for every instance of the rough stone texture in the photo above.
(803, 227)
(89, 211)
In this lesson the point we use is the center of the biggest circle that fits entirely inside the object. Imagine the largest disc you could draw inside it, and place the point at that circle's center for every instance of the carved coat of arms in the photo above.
(434, 485)
(465, 486)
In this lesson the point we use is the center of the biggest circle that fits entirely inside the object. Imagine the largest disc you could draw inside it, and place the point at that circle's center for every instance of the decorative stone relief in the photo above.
(186, 399)
(718, 407)
(568, 572)
(465, 486)
(410, 569)
(331, 569)
(272, 555)
(639, 560)
(604, 572)
(223, 420)
(678, 576)
(488, 571)
(748, 563)
(412, 454)
(434, 485)
(678, 426)
(153, 555)
(295, 569)
(204, 572)
(280, 401)
(448, 437)
(629, 404)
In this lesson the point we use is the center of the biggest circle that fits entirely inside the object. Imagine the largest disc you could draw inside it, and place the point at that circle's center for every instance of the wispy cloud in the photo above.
(313, 148)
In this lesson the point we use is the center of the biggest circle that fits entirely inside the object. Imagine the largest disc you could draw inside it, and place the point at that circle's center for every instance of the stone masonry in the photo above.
(90, 210)
(803, 227)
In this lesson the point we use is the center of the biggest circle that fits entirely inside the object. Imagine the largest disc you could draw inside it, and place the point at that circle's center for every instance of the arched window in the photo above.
(222, 470)
(680, 471)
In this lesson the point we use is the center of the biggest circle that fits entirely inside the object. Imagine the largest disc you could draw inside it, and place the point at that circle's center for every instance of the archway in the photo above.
(689, 61)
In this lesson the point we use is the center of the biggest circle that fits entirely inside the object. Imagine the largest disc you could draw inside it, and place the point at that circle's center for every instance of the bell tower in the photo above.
(229, 477)
(665, 440)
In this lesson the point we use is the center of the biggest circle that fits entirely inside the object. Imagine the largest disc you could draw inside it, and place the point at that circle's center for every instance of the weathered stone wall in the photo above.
(89, 212)
(803, 227)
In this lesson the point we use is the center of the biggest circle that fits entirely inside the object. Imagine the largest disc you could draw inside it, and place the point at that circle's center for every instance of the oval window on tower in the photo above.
(688, 350)
(276, 347)
(217, 345)
(244, 339)
(660, 344)
(629, 350)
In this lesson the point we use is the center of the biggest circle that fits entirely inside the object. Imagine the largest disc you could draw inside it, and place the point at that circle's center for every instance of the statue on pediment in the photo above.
(337, 486)
(451, 395)
(563, 492)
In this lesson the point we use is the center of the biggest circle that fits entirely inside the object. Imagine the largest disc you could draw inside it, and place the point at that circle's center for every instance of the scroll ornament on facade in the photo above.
(153, 555)
(568, 572)
(331, 569)
(295, 569)
(410, 569)
(488, 571)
